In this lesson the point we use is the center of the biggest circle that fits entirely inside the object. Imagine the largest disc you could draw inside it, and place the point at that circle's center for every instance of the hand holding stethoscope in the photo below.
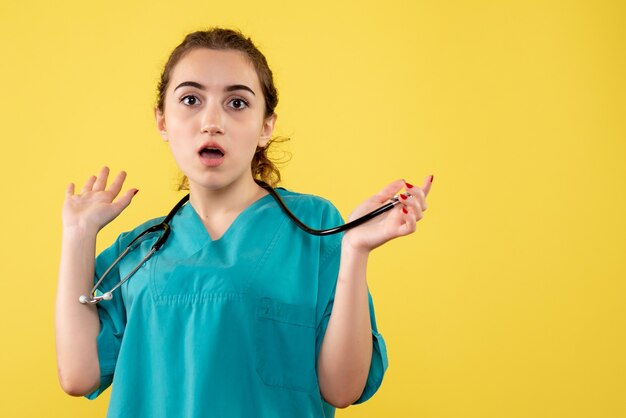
(395, 223)
(94, 207)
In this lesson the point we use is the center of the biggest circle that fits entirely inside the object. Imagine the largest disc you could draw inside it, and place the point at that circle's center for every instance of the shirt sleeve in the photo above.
(112, 314)
(379, 363)
(329, 270)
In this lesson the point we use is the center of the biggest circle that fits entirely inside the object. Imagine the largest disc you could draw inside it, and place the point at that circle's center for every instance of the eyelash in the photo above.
(234, 108)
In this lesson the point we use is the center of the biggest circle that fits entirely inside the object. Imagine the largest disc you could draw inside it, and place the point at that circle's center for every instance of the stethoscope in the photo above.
(164, 226)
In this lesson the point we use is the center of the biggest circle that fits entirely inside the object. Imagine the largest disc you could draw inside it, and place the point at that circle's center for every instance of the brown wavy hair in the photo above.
(218, 38)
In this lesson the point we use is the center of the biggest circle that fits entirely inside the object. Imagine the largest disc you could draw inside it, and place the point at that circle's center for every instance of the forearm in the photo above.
(76, 325)
(346, 351)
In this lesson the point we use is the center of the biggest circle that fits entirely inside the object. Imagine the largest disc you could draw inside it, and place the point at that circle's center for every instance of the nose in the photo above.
(212, 120)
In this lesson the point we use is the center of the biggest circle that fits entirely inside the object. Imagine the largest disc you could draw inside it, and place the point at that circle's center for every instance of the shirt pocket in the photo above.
(285, 341)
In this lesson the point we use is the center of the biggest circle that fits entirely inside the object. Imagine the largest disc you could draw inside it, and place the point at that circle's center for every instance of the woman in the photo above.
(240, 313)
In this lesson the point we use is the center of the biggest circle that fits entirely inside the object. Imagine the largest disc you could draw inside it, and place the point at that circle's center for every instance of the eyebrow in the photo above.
(227, 88)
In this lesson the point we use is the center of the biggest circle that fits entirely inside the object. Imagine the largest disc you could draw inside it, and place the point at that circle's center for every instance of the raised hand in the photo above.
(94, 207)
(394, 223)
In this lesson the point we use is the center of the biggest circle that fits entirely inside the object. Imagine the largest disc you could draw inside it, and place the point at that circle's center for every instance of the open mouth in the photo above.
(211, 153)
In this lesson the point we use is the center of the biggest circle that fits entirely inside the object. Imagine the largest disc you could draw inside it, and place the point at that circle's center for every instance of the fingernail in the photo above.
(135, 192)
(404, 210)
(403, 196)
(409, 185)
(432, 177)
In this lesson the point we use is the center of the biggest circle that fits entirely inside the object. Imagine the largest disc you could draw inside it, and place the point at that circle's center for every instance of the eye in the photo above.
(189, 100)
(238, 103)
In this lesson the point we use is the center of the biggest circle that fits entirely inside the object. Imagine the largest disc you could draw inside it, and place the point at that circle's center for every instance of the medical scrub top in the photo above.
(230, 327)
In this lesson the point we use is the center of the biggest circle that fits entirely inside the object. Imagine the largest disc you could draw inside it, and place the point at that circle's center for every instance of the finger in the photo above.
(123, 202)
(417, 198)
(410, 201)
(407, 221)
(397, 217)
(427, 184)
(101, 182)
(415, 210)
(388, 191)
(89, 185)
(117, 184)
(70, 190)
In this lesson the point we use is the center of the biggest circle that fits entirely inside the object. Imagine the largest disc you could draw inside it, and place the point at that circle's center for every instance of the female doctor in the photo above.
(239, 313)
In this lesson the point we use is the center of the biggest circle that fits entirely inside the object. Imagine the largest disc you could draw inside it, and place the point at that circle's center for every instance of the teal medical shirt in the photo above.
(229, 327)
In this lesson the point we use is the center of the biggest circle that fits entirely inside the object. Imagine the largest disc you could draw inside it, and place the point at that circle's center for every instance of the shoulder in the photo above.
(306, 202)
(126, 237)
(122, 241)
(317, 211)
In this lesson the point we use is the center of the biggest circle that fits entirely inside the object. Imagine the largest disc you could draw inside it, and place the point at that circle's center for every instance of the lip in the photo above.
(211, 144)
(211, 162)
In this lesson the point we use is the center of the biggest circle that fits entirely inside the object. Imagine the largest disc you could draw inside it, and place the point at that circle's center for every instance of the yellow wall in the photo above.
(508, 301)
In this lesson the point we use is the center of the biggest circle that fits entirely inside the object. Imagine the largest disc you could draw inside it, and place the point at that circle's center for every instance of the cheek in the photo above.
(181, 157)
(178, 124)
(173, 149)
(253, 137)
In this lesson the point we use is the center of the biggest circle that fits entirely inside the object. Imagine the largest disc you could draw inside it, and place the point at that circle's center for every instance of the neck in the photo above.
(230, 199)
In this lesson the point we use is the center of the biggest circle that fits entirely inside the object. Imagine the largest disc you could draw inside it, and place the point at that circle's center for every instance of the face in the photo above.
(213, 117)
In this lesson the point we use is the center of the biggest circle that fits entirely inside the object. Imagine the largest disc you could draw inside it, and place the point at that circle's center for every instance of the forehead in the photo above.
(215, 68)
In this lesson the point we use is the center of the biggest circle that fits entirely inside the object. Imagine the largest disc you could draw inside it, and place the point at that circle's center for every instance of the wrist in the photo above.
(353, 263)
(79, 231)
(349, 246)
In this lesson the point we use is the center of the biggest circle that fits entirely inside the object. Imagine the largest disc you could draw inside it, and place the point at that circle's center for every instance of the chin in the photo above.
(213, 183)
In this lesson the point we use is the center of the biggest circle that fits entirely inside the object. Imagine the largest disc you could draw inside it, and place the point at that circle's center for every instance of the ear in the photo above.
(267, 129)
(160, 122)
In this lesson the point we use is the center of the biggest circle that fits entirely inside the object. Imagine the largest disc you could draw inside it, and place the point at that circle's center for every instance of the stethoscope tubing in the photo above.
(335, 230)
(165, 227)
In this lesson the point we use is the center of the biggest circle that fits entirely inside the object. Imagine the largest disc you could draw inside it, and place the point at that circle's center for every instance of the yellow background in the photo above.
(508, 301)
